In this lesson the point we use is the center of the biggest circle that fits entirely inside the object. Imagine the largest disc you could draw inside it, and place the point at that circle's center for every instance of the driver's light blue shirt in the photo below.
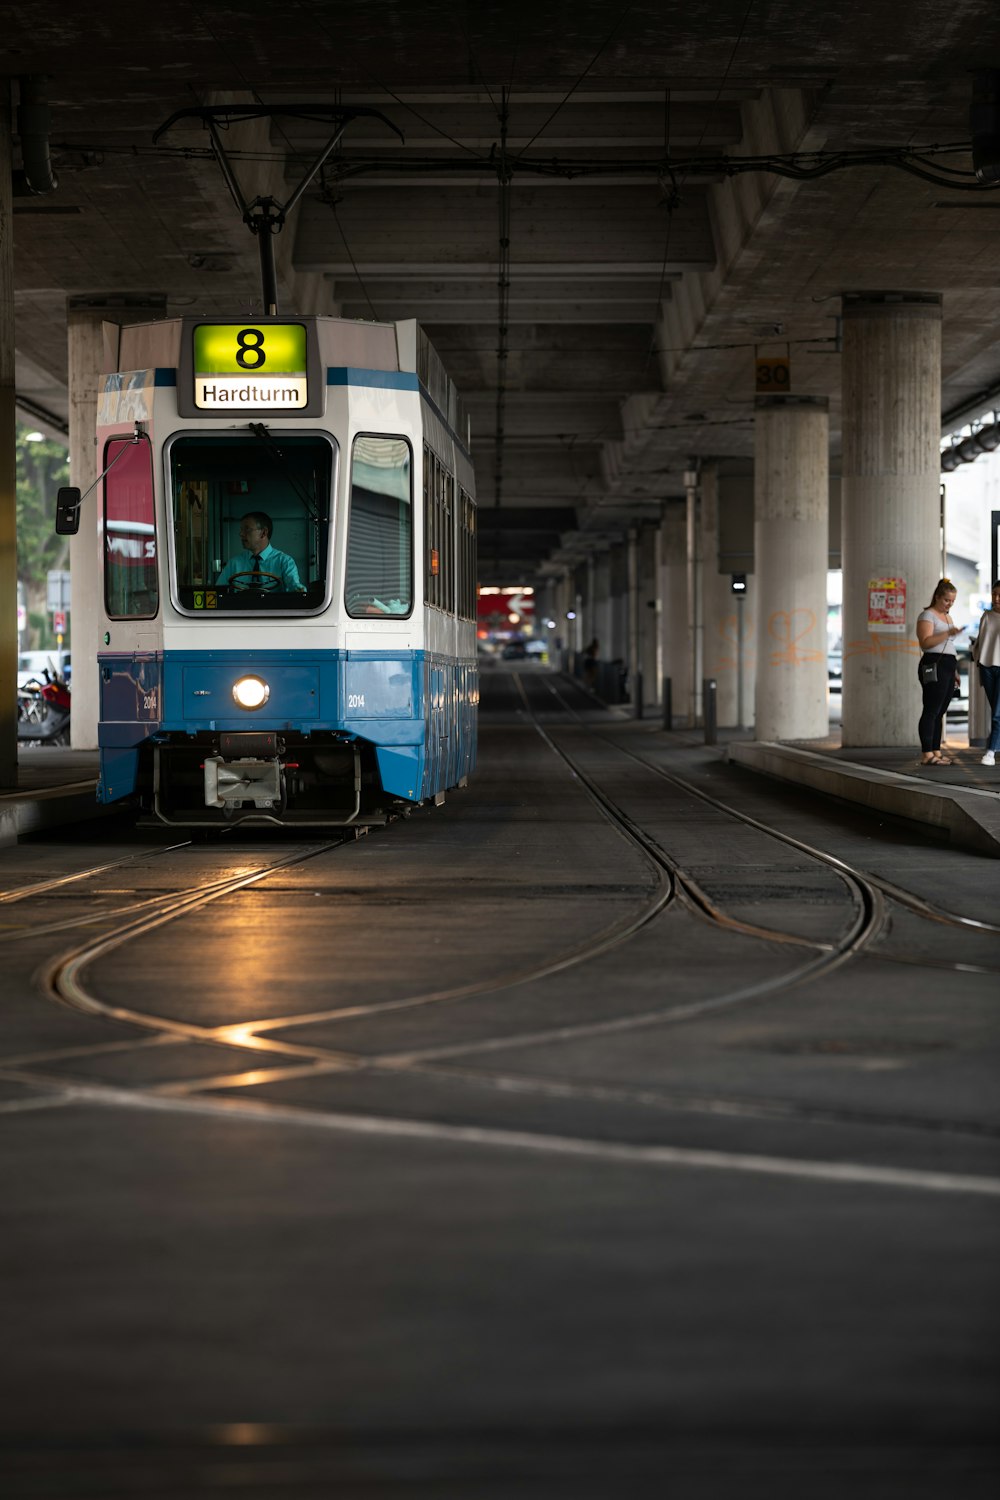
(271, 561)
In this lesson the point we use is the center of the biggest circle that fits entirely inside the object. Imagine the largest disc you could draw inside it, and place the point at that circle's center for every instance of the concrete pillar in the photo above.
(547, 608)
(633, 651)
(649, 605)
(580, 596)
(562, 603)
(890, 499)
(601, 618)
(588, 615)
(659, 655)
(85, 335)
(791, 502)
(675, 648)
(617, 639)
(695, 616)
(8, 461)
(722, 647)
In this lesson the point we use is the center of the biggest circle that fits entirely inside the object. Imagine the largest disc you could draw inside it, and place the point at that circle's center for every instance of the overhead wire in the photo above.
(797, 166)
(350, 255)
(674, 197)
(474, 64)
(672, 203)
(795, 163)
(503, 309)
(316, 22)
(332, 204)
(504, 170)
(569, 94)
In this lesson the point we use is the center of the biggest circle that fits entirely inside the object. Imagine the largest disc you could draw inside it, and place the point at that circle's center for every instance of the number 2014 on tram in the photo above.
(287, 520)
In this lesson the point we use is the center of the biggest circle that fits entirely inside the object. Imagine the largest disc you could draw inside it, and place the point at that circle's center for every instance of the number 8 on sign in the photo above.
(250, 348)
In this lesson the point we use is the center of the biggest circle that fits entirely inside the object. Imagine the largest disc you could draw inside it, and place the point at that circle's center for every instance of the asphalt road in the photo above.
(476, 1158)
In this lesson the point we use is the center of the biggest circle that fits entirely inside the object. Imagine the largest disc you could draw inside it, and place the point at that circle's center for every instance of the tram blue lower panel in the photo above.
(119, 774)
(418, 711)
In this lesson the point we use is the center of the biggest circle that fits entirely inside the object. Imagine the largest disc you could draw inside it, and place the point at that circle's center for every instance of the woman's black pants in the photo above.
(937, 696)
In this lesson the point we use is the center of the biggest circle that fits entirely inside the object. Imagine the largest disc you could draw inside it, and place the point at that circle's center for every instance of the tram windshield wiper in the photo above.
(275, 454)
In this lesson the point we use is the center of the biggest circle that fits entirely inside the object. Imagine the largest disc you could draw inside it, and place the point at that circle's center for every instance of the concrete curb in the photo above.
(970, 819)
(48, 807)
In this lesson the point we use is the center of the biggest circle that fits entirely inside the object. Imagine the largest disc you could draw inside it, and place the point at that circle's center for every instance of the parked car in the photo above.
(514, 651)
(834, 670)
(32, 666)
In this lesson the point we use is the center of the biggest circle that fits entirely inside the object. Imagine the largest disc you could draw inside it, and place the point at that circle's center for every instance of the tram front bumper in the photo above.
(232, 783)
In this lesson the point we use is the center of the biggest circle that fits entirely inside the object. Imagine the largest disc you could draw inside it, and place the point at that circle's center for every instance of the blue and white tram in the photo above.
(339, 684)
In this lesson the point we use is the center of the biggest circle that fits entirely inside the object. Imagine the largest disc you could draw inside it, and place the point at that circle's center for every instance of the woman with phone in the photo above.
(938, 669)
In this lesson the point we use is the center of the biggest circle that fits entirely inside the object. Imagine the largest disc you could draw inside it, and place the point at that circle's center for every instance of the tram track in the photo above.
(284, 1060)
(59, 882)
(927, 910)
(672, 884)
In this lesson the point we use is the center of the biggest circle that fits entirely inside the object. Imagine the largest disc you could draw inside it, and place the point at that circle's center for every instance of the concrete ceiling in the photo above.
(643, 273)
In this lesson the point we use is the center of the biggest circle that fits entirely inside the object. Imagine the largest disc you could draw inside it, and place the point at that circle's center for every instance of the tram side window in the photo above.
(448, 542)
(439, 527)
(432, 573)
(467, 557)
(380, 531)
(130, 584)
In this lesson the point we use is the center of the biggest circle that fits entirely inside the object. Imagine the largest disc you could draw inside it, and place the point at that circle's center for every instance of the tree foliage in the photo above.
(41, 468)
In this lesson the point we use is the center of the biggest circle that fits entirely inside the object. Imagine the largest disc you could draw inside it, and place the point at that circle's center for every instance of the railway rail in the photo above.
(263, 1050)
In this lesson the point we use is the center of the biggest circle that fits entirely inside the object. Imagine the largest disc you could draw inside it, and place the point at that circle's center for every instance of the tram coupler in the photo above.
(248, 769)
(231, 783)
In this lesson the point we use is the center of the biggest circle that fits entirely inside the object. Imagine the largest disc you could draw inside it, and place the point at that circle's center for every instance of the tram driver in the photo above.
(259, 565)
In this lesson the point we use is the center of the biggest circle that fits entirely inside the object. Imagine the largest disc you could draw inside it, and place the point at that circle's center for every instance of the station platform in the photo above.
(959, 803)
(54, 787)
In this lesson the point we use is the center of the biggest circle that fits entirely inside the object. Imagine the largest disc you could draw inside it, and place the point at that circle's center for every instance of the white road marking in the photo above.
(37, 1101)
(843, 1172)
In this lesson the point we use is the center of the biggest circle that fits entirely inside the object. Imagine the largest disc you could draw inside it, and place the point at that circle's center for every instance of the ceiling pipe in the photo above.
(984, 121)
(32, 124)
(985, 440)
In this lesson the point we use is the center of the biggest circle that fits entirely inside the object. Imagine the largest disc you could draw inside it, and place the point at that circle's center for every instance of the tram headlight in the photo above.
(251, 692)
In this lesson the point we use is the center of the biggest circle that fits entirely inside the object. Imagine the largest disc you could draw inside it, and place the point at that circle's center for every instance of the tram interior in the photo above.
(216, 481)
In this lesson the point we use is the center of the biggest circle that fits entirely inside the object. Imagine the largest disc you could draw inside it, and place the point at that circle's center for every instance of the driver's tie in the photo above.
(255, 581)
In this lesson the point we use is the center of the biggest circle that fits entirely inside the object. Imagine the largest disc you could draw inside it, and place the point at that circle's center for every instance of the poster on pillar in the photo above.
(887, 605)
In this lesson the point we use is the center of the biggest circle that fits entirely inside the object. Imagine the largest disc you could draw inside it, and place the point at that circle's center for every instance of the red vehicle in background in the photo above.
(43, 711)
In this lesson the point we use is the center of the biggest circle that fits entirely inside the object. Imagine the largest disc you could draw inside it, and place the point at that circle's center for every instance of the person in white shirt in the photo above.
(986, 655)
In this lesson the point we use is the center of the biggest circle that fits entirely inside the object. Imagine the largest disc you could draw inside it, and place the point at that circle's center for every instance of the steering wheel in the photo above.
(273, 584)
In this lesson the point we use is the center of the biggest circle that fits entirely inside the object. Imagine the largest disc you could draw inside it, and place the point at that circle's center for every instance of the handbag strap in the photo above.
(939, 650)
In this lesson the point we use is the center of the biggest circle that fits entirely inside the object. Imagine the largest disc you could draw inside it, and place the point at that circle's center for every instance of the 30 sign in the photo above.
(774, 377)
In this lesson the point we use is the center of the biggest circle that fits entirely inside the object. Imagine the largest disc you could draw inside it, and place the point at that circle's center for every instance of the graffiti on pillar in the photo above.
(789, 628)
(880, 646)
(729, 645)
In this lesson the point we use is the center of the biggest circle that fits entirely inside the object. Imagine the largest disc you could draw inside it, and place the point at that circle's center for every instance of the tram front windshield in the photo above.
(252, 521)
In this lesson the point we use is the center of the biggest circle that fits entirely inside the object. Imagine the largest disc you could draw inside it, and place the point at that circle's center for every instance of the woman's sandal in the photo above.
(938, 760)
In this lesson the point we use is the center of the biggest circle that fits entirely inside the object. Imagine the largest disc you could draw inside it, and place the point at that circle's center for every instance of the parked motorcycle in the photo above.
(43, 712)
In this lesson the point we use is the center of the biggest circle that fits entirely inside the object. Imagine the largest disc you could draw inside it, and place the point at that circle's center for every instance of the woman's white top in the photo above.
(986, 651)
(940, 648)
